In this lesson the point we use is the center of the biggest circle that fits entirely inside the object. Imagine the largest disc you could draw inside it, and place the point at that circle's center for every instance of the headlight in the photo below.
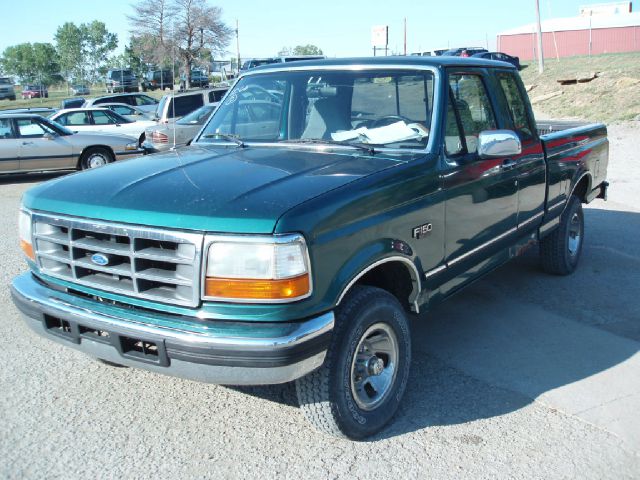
(131, 146)
(257, 269)
(24, 229)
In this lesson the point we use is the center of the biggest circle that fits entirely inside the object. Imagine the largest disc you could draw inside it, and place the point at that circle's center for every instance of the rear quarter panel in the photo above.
(572, 154)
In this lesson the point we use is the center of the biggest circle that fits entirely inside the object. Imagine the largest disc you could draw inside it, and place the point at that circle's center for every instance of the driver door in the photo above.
(41, 148)
(9, 147)
(481, 194)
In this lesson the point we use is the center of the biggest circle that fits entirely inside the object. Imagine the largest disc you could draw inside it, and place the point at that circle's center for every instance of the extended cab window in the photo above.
(469, 112)
(517, 107)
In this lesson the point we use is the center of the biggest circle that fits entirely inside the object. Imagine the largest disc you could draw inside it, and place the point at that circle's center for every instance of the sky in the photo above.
(339, 28)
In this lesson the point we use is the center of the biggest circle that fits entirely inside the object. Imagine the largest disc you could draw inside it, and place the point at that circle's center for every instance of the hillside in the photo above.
(613, 96)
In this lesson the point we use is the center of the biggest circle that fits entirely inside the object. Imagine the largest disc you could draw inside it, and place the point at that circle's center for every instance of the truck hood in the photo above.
(216, 189)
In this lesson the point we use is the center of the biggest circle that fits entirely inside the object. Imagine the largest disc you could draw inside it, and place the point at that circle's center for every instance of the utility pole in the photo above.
(540, 55)
(237, 47)
(405, 36)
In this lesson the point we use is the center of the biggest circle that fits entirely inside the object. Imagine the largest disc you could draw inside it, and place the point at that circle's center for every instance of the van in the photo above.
(178, 105)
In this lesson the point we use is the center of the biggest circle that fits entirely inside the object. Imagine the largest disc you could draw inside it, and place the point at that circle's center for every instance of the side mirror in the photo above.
(48, 136)
(498, 143)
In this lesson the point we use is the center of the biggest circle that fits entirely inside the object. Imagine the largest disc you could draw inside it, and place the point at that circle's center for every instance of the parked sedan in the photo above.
(101, 120)
(503, 57)
(165, 136)
(30, 142)
(128, 111)
(35, 91)
(140, 100)
(80, 89)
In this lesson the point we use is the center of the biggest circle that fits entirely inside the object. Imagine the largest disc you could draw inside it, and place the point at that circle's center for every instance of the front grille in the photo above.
(160, 265)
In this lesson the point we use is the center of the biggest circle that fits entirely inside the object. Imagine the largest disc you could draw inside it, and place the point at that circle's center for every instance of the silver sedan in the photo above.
(32, 143)
(165, 136)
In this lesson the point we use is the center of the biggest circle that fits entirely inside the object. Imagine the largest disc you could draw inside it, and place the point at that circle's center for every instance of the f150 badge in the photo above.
(421, 230)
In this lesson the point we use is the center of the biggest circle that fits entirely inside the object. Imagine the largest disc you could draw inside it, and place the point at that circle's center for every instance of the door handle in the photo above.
(27, 143)
(509, 164)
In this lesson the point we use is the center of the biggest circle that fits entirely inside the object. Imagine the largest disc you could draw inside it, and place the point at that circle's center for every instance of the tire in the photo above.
(354, 396)
(12, 98)
(95, 157)
(560, 251)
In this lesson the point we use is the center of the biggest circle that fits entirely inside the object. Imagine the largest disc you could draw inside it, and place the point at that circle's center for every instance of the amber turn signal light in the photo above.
(27, 248)
(240, 288)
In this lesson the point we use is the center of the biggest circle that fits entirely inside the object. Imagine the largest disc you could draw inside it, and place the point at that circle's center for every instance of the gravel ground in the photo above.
(523, 375)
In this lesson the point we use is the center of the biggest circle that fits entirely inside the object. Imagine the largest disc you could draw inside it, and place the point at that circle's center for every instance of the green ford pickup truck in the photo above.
(322, 206)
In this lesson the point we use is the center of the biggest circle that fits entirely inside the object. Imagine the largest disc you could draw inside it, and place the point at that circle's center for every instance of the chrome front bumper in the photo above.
(223, 352)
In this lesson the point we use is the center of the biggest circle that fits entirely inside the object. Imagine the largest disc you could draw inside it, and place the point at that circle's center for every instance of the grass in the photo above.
(612, 97)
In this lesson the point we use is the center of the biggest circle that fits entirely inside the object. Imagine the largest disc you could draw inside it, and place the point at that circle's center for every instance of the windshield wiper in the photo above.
(344, 143)
(225, 136)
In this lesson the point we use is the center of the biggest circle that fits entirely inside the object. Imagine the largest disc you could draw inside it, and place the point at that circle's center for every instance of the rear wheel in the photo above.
(95, 157)
(560, 251)
(357, 390)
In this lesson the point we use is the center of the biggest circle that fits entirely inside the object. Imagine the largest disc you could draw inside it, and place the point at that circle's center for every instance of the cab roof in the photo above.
(408, 61)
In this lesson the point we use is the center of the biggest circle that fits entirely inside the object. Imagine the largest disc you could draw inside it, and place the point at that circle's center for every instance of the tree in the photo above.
(307, 50)
(69, 39)
(190, 30)
(31, 62)
(150, 25)
(84, 48)
(98, 43)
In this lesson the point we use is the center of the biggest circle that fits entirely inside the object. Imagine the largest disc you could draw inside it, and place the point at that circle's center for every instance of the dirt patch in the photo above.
(611, 96)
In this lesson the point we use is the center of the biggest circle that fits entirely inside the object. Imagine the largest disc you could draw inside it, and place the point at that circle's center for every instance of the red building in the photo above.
(566, 37)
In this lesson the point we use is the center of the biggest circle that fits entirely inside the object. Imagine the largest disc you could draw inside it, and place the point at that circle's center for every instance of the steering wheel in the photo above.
(388, 120)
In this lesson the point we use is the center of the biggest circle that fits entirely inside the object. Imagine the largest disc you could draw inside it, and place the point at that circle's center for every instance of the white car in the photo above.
(101, 120)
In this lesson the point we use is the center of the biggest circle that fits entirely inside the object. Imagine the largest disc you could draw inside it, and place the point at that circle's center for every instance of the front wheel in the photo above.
(95, 157)
(358, 389)
(560, 251)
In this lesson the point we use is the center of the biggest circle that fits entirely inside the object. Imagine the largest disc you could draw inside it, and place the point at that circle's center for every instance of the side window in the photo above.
(470, 104)
(452, 136)
(142, 100)
(188, 104)
(6, 131)
(75, 118)
(216, 95)
(101, 118)
(121, 109)
(30, 128)
(517, 108)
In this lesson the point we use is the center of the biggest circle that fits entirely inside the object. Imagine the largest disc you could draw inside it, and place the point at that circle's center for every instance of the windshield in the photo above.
(197, 117)
(379, 107)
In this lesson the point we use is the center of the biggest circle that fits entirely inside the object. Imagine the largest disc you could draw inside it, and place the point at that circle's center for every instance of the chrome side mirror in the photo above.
(498, 143)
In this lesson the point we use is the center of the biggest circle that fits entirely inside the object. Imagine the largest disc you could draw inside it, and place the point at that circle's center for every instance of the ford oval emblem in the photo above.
(100, 259)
